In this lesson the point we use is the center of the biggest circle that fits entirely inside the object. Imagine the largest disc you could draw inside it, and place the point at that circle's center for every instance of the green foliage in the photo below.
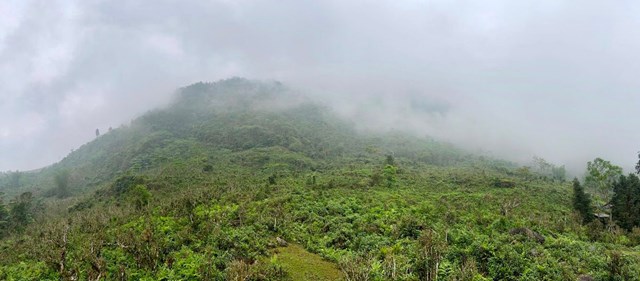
(504, 183)
(201, 189)
(389, 173)
(626, 202)
(139, 196)
(23, 271)
(619, 269)
(125, 184)
(358, 268)
(582, 202)
(390, 160)
(524, 172)
(430, 248)
(601, 175)
(18, 214)
(4, 219)
(549, 170)
(188, 265)
(62, 184)
(21, 210)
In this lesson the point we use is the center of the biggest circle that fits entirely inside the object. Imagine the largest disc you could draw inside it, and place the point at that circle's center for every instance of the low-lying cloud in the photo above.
(510, 78)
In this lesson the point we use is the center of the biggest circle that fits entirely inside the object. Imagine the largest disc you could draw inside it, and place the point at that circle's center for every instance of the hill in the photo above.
(211, 186)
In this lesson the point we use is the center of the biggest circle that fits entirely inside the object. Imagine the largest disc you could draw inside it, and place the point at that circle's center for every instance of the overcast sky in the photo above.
(557, 79)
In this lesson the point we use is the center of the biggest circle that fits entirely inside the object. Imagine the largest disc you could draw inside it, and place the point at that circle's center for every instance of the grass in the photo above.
(303, 265)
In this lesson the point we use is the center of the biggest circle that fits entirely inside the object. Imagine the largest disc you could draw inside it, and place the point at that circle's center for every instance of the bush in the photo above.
(430, 249)
(504, 183)
(123, 184)
(139, 196)
(27, 271)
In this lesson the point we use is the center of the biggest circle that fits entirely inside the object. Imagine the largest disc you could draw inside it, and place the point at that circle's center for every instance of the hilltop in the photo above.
(211, 186)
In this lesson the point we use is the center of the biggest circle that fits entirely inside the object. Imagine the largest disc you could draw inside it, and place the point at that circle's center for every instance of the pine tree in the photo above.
(582, 202)
(626, 201)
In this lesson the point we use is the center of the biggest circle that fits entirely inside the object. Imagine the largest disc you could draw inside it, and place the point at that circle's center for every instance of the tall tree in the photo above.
(638, 164)
(582, 202)
(543, 167)
(601, 175)
(626, 201)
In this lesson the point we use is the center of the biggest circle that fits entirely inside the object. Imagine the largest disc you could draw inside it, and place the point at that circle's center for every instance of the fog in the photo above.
(512, 79)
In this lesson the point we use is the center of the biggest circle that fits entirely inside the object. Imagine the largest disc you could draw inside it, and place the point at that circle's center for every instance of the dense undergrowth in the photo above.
(200, 191)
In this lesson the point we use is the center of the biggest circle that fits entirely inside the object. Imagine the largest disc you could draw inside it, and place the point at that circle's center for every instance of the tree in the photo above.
(626, 201)
(601, 175)
(582, 202)
(559, 173)
(638, 164)
(524, 172)
(139, 196)
(390, 160)
(548, 170)
(542, 165)
(389, 173)
(62, 184)
(20, 210)
(97, 132)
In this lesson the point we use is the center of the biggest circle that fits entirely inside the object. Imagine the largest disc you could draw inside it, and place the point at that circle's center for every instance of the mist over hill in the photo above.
(233, 115)
(249, 180)
(326, 140)
(554, 79)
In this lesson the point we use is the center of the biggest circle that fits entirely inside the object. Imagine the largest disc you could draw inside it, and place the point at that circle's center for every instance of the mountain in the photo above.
(209, 120)
(250, 180)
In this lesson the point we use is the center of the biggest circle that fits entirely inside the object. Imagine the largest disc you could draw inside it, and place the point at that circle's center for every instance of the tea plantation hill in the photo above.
(247, 180)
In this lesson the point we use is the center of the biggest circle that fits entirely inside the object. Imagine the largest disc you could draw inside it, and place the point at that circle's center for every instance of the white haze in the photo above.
(510, 78)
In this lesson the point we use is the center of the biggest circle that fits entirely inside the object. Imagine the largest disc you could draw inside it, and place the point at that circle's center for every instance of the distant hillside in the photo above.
(229, 116)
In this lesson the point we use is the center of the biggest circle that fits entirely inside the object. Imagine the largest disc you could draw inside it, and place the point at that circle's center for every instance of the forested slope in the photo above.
(209, 187)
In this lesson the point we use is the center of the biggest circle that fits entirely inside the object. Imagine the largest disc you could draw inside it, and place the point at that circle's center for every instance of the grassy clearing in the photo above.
(303, 265)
